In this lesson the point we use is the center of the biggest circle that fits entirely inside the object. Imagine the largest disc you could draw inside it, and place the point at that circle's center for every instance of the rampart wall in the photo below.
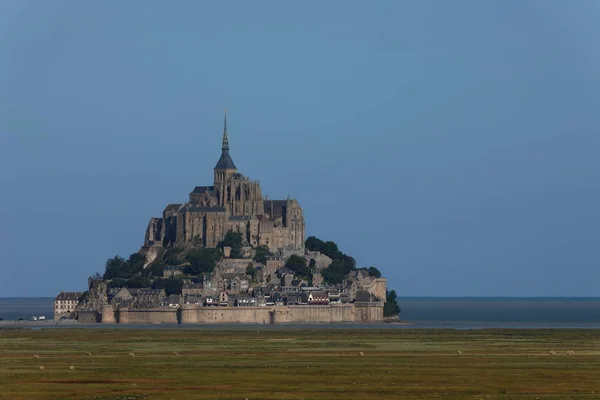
(196, 314)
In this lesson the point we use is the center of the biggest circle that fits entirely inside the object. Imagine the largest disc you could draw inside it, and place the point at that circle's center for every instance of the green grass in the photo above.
(294, 364)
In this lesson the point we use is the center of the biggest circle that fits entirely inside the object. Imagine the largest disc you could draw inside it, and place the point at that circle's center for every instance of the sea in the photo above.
(425, 312)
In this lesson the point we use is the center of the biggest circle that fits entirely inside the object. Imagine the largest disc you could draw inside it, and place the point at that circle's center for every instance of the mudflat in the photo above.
(299, 364)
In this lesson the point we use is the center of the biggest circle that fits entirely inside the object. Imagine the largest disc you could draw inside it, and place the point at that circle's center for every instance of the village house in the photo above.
(170, 272)
(149, 298)
(318, 298)
(65, 303)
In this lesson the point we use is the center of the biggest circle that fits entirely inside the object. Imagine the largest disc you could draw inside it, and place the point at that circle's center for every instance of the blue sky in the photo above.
(454, 145)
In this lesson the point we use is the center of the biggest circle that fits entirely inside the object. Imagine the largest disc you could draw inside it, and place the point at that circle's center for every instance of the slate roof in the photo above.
(202, 189)
(68, 296)
(204, 209)
(172, 207)
(225, 161)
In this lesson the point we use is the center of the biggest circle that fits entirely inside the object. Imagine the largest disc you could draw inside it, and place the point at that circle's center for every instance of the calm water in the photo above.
(428, 312)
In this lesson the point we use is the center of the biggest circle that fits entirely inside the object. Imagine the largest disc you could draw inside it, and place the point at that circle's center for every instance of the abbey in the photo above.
(232, 203)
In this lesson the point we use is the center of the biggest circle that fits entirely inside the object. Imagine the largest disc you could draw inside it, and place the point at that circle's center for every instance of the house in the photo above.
(318, 298)
(334, 296)
(173, 301)
(261, 301)
(232, 300)
(211, 301)
(277, 299)
(193, 299)
(65, 303)
(122, 298)
(223, 298)
(242, 301)
(292, 298)
(192, 289)
(149, 298)
(171, 271)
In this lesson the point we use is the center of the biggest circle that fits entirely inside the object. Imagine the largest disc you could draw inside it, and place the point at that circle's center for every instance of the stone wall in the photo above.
(148, 316)
(197, 314)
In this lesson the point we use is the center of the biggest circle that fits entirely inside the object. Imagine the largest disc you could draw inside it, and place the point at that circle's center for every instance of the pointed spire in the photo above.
(225, 162)
(225, 138)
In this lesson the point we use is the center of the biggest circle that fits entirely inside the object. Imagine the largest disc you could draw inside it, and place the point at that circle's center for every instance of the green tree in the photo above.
(391, 307)
(298, 265)
(154, 270)
(137, 282)
(261, 253)
(173, 286)
(374, 272)
(202, 261)
(336, 272)
(235, 240)
(250, 270)
(136, 263)
(313, 243)
(330, 249)
(114, 268)
(117, 283)
(159, 283)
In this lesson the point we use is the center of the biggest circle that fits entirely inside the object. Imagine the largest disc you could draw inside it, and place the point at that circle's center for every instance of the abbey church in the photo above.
(232, 203)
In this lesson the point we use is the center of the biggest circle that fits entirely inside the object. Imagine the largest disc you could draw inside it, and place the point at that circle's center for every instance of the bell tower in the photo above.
(224, 169)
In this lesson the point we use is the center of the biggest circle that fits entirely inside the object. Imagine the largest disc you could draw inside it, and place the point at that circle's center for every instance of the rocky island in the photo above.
(229, 254)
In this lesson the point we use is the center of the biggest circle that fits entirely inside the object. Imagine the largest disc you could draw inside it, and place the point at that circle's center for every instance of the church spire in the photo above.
(225, 138)
(225, 162)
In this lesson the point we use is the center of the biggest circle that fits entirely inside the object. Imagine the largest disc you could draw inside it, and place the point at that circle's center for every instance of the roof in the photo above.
(150, 292)
(204, 209)
(319, 294)
(225, 161)
(202, 189)
(172, 207)
(68, 296)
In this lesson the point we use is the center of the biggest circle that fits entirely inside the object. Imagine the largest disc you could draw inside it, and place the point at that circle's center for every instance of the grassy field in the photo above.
(299, 364)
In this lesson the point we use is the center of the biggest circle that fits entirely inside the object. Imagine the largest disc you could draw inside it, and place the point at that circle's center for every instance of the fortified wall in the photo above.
(196, 314)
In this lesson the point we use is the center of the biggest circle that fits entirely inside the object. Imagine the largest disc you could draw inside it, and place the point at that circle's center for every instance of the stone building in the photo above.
(65, 303)
(232, 203)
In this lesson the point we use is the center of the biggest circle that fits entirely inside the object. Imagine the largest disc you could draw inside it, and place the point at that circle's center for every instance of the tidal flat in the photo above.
(299, 364)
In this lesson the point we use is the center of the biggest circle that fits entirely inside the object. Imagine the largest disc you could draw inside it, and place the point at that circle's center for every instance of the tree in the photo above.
(330, 249)
(374, 272)
(313, 243)
(250, 270)
(173, 286)
(390, 307)
(136, 263)
(261, 253)
(202, 261)
(159, 283)
(312, 263)
(336, 272)
(117, 267)
(154, 270)
(137, 282)
(114, 268)
(298, 265)
(235, 240)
